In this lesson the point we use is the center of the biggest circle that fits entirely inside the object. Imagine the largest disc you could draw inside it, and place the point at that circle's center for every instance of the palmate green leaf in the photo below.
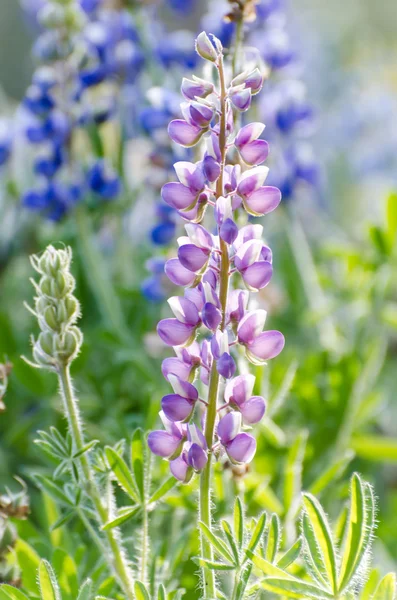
(294, 588)
(218, 545)
(272, 540)
(138, 451)
(85, 591)
(122, 474)
(212, 565)
(322, 537)
(257, 532)
(238, 522)
(49, 589)
(293, 471)
(124, 514)
(359, 530)
(8, 592)
(141, 592)
(291, 555)
(386, 589)
(163, 490)
(329, 475)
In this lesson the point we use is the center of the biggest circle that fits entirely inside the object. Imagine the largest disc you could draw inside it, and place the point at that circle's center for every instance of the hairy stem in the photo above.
(119, 562)
(206, 476)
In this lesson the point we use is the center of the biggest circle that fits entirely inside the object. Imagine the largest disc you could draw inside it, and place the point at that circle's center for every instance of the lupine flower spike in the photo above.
(211, 320)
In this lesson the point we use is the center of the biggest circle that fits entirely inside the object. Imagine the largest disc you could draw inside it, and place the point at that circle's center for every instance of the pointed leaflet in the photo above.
(360, 526)
(219, 546)
(85, 591)
(242, 584)
(232, 542)
(163, 489)
(321, 532)
(257, 533)
(141, 592)
(238, 520)
(267, 567)
(49, 589)
(291, 555)
(122, 474)
(124, 514)
(294, 588)
(272, 541)
(138, 455)
(161, 595)
(8, 592)
(386, 589)
(53, 489)
(313, 557)
(212, 565)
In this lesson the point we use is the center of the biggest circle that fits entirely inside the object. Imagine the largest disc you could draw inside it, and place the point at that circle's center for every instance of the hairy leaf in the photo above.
(163, 489)
(85, 590)
(8, 592)
(257, 533)
(124, 514)
(122, 474)
(272, 539)
(219, 546)
(294, 588)
(290, 555)
(138, 450)
(141, 592)
(232, 542)
(386, 589)
(49, 589)
(238, 520)
(212, 565)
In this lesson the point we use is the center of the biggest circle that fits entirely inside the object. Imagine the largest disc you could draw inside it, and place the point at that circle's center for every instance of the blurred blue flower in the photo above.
(103, 180)
(5, 141)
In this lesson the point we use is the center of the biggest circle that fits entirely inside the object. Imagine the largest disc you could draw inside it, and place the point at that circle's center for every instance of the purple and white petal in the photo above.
(199, 236)
(248, 134)
(192, 257)
(262, 201)
(183, 388)
(241, 100)
(265, 346)
(255, 152)
(175, 366)
(226, 365)
(183, 133)
(242, 448)
(228, 231)
(228, 427)
(197, 457)
(191, 175)
(211, 168)
(239, 390)
(163, 444)
(253, 410)
(258, 275)
(180, 469)
(251, 325)
(251, 180)
(211, 316)
(184, 310)
(175, 333)
(248, 254)
(176, 408)
(177, 273)
(177, 195)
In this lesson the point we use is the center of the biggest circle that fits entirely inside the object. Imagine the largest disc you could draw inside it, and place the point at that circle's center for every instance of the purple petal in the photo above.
(265, 346)
(200, 115)
(185, 311)
(205, 48)
(176, 408)
(177, 273)
(178, 195)
(242, 100)
(183, 133)
(192, 257)
(254, 81)
(251, 325)
(175, 333)
(211, 316)
(263, 200)
(183, 388)
(239, 390)
(199, 87)
(253, 410)
(197, 457)
(248, 254)
(242, 448)
(163, 444)
(211, 168)
(191, 175)
(199, 236)
(248, 134)
(226, 366)
(180, 469)
(251, 180)
(228, 427)
(258, 275)
(255, 152)
(228, 231)
(175, 366)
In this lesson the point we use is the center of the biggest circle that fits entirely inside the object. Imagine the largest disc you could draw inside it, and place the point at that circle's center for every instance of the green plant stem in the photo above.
(101, 286)
(237, 577)
(145, 545)
(206, 476)
(119, 562)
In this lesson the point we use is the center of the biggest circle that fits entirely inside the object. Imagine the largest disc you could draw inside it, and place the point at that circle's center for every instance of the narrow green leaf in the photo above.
(340, 526)
(272, 539)
(66, 569)
(238, 521)
(161, 593)
(163, 489)
(124, 514)
(386, 589)
(138, 449)
(267, 567)
(85, 591)
(257, 533)
(323, 538)
(294, 588)
(122, 474)
(232, 542)
(375, 448)
(359, 530)
(29, 561)
(141, 592)
(9, 592)
(216, 542)
(63, 519)
(293, 471)
(242, 584)
(53, 489)
(212, 565)
(289, 557)
(370, 586)
(49, 589)
(86, 448)
(313, 558)
(329, 475)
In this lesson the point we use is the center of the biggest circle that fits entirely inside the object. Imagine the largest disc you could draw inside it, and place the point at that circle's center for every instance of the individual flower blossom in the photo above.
(240, 447)
(193, 457)
(238, 394)
(179, 405)
(260, 345)
(168, 443)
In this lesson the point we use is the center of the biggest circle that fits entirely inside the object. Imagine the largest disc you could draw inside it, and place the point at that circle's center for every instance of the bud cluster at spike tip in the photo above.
(204, 333)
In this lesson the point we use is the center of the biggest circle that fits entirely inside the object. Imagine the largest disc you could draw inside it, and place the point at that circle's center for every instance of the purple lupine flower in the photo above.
(211, 318)
(240, 447)
(168, 443)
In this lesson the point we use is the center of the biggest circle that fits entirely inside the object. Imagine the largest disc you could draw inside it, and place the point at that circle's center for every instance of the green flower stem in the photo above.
(119, 562)
(101, 286)
(206, 476)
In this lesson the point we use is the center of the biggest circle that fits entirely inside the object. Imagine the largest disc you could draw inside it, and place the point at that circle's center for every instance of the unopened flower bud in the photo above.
(205, 48)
